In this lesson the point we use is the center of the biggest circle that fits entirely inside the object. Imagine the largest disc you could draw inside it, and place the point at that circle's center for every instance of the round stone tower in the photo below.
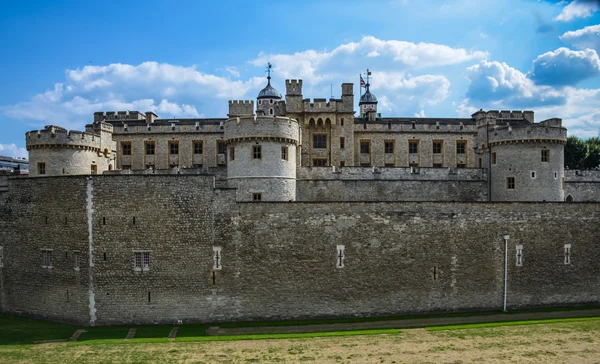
(526, 159)
(262, 157)
(54, 151)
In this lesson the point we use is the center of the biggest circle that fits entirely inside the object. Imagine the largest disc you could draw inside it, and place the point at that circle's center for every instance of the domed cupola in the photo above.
(368, 101)
(269, 99)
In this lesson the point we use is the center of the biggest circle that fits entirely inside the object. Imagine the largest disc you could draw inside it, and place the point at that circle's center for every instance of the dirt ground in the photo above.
(576, 343)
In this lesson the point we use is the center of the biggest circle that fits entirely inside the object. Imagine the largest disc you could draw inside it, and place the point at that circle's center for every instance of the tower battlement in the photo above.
(241, 108)
(293, 87)
(119, 115)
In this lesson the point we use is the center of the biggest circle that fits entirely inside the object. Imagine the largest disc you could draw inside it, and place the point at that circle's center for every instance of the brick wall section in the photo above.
(279, 259)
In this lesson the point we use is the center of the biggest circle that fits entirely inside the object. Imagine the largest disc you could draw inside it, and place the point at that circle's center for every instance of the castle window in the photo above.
(284, 153)
(437, 165)
(221, 147)
(569, 198)
(141, 260)
(319, 162)
(126, 148)
(342, 122)
(1, 257)
(461, 165)
(413, 147)
(76, 260)
(270, 101)
(494, 158)
(510, 183)
(342, 163)
(340, 256)
(256, 152)
(260, 102)
(567, 253)
(41, 168)
(217, 258)
(126, 167)
(461, 146)
(47, 258)
(413, 125)
(563, 183)
(173, 147)
(319, 141)
(270, 111)
(231, 153)
(519, 255)
(545, 155)
(94, 169)
(150, 148)
(555, 175)
(365, 146)
(342, 142)
(198, 147)
(257, 196)
(532, 174)
(437, 147)
(435, 273)
(388, 147)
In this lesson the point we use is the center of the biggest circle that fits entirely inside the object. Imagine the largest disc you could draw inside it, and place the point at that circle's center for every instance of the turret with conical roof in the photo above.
(268, 98)
(368, 101)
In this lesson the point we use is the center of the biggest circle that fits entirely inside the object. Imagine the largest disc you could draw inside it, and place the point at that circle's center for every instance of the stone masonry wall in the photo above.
(278, 260)
(582, 185)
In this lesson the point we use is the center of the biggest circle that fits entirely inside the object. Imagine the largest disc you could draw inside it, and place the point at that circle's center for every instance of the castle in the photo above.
(296, 208)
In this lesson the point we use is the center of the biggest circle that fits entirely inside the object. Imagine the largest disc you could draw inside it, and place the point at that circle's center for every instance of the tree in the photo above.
(592, 159)
(575, 153)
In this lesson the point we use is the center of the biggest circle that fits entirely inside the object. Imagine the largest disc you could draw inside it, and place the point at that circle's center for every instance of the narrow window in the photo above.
(519, 255)
(260, 102)
(76, 260)
(150, 148)
(319, 162)
(217, 258)
(414, 126)
(104, 256)
(342, 142)
(231, 153)
(510, 183)
(174, 147)
(134, 220)
(257, 196)
(94, 169)
(342, 163)
(413, 146)
(563, 183)
(365, 147)
(437, 147)
(256, 152)
(340, 256)
(435, 273)
(545, 155)
(41, 168)
(104, 221)
(198, 147)
(46, 258)
(319, 141)
(221, 147)
(1, 257)
(555, 175)
(271, 101)
(284, 153)
(388, 147)
(461, 146)
(494, 158)
(149, 297)
(270, 111)
(126, 148)
(533, 175)
(342, 122)
(567, 253)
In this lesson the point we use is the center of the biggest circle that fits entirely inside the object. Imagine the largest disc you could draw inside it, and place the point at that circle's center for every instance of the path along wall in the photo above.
(280, 260)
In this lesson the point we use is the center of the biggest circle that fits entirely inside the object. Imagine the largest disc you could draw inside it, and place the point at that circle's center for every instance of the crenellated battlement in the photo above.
(261, 127)
(541, 132)
(119, 115)
(52, 137)
(489, 117)
(241, 108)
(293, 87)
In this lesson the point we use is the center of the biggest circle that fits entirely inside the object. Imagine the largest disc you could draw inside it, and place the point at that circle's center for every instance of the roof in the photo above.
(269, 92)
(368, 98)
(421, 121)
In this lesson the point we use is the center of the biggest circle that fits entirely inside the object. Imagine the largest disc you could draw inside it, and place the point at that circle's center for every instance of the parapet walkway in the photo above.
(404, 324)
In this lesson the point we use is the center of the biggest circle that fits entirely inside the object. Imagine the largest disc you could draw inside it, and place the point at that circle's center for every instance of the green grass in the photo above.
(510, 323)
(21, 330)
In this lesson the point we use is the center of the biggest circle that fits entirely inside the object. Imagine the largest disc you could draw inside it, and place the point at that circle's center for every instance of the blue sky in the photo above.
(64, 60)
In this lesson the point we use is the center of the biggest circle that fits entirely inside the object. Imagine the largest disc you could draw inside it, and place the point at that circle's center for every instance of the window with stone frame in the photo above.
(437, 147)
(150, 148)
(319, 141)
(413, 146)
(545, 155)
(342, 142)
(319, 162)
(76, 260)
(257, 196)
(494, 160)
(388, 147)
(461, 146)
(41, 168)
(231, 153)
(126, 148)
(198, 147)
(365, 147)
(256, 152)
(567, 254)
(510, 183)
(173, 147)
(141, 260)
(284, 153)
(221, 147)
(94, 169)
(46, 258)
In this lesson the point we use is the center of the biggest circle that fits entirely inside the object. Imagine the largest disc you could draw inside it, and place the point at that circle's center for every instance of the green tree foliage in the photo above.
(582, 154)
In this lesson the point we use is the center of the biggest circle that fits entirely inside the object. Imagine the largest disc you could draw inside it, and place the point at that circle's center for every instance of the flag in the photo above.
(362, 82)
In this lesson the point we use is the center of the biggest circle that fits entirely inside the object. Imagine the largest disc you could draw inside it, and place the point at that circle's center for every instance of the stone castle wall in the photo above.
(279, 260)
(582, 185)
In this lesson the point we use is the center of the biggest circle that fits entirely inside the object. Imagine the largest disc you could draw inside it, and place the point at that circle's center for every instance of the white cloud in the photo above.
(579, 112)
(11, 150)
(578, 9)
(233, 71)
(565, 67)
(588, 37)
(420, 114)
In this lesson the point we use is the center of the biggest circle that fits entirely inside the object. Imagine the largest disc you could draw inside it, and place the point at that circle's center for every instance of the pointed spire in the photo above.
(269, 73)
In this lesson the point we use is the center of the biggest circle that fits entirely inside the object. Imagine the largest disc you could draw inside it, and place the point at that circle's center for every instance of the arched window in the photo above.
(569, 198)
(270, 111)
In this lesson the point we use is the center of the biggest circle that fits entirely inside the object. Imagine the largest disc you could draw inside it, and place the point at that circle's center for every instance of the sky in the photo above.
(64, 60)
